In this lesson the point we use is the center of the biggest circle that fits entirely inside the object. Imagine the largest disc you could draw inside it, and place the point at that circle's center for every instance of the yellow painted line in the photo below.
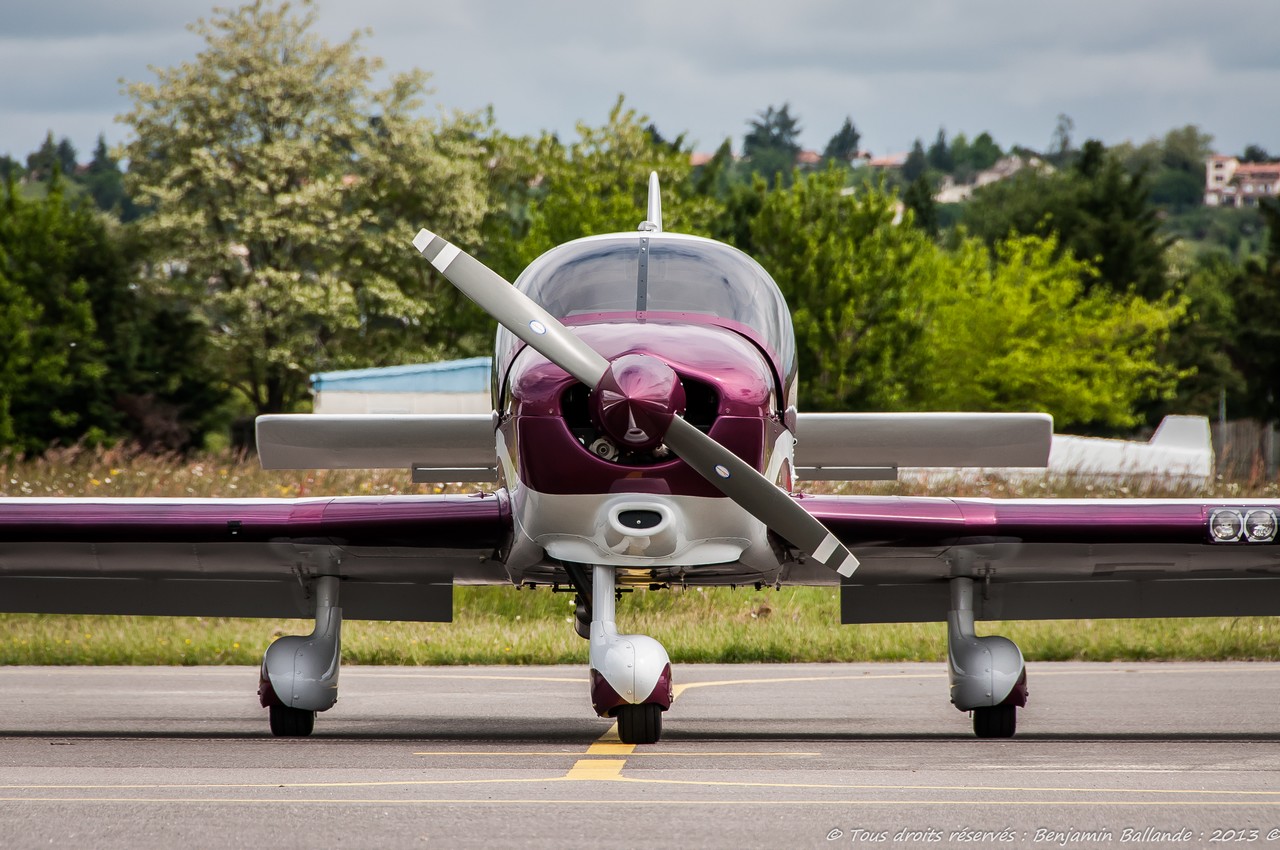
(647, 754)
(679, 689)
(684, 801)
(603, 748)
(580, 680)
(613, 767)
(596, 769)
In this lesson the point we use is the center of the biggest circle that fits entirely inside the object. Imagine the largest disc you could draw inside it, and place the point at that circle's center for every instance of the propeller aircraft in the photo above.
(644, 434)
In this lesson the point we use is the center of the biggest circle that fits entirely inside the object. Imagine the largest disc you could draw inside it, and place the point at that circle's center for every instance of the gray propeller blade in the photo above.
(514, 310)
(758, 496)
(519, 314)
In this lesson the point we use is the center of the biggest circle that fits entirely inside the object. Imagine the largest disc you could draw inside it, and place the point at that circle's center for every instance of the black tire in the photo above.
(998, 721)
(291, 722)
(640, 724)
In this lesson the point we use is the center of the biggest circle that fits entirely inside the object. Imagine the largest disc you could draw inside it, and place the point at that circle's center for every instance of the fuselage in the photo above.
(716, 318)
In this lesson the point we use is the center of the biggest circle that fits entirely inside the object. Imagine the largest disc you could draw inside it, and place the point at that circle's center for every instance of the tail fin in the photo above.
(1183, 432)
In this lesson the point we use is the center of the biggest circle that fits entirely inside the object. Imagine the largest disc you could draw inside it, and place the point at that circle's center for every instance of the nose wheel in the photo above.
(996, 721)
(289, 722)
(640, 724)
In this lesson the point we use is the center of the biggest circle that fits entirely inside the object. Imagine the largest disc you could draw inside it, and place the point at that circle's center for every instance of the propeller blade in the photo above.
(514, 310)
(737, 479)
(758, 496)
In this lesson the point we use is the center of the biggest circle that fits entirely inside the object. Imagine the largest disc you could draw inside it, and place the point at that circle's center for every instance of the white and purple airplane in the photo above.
(644, 434)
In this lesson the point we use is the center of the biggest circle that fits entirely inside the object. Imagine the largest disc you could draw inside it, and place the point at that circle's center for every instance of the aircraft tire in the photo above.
(640, 724)
(289, 722)
(997, 721)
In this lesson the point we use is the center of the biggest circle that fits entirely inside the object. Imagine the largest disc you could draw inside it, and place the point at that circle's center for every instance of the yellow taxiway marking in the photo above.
(593, 751)
(500, 801)
(596, 769)
(610, 769)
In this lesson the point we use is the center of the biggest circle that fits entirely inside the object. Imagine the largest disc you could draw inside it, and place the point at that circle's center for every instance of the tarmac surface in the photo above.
(830, 755)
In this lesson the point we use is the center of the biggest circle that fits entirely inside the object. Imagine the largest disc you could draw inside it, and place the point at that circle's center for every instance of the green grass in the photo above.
(509, 626)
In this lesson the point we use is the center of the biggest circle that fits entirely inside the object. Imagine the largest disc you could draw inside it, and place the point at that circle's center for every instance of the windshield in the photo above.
(655, 276)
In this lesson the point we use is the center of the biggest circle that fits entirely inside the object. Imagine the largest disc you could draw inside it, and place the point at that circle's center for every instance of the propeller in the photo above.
(543, 333)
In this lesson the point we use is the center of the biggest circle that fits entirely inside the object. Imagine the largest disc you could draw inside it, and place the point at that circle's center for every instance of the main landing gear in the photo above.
(988, 676)
(300, 674)
(630, 674)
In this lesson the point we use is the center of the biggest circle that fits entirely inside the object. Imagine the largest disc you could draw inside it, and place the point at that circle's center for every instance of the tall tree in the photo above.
(105, 182)
(1099, 211)
(599, 184)
(771, 144)
(939, 154)
(885, 319)
(84, 354)
(917, 163)
(843, 146)
(1255, 153)
(285, 187)
(52, 156)
(1256, 351)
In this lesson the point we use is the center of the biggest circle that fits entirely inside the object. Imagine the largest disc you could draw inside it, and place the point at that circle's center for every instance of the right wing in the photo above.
(435, 447)
(861, 446)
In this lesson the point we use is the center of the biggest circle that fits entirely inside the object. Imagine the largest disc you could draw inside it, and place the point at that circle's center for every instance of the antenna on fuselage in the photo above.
(653, 221)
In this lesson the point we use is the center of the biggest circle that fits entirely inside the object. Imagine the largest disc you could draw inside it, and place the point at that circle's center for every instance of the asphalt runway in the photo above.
(831, 755)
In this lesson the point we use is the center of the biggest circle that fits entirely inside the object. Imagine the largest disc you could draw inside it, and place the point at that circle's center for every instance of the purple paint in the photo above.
(636, 399)
(446, 521)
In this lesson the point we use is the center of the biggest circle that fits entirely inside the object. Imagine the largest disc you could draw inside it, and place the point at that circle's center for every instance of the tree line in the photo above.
(259, 232)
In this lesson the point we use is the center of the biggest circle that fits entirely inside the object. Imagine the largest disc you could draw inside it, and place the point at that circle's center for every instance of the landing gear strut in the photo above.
(630, 674)
(300, 674)
(988, 676)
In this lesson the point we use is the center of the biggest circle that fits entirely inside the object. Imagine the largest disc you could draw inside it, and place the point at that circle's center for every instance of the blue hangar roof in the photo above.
(452, 376)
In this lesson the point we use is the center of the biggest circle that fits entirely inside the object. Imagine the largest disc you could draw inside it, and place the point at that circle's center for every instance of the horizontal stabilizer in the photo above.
(857, 446)
(436, 447)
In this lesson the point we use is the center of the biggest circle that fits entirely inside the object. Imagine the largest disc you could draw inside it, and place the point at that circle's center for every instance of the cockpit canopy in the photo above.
(661, 277)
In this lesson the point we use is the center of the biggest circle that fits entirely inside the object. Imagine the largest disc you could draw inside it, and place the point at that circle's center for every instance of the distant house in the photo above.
(1228, 182)
(953, 193)
(455, 386)
(888, 161)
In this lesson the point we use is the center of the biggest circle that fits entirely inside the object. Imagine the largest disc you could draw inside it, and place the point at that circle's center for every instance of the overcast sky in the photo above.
(1121, 69)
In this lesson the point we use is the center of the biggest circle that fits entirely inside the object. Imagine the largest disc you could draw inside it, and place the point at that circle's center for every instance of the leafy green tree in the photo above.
(886, 319)
(939, 154)
(1098, 211)
(853, 280)
(772, 143)
(918, 198)
(599, 184)
(105, 182)
(84, 355)
(285, 191)
(1202, 339)
(968, 158)
(1256, 351)
(52, 156)
(1255, 153)
(917, 163)
(10, 168)
(843, 146)
(1019, 330)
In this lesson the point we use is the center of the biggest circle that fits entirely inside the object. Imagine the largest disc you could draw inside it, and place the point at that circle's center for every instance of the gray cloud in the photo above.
(1130, 69)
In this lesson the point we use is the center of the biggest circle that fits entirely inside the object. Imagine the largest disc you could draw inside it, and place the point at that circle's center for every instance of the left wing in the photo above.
(398, 556)
(1053, 558)
(435, 447)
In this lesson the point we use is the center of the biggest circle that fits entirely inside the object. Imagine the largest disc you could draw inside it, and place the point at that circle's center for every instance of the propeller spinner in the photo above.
(638, 400)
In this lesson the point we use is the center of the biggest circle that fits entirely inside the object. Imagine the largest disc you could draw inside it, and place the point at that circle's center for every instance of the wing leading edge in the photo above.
(398, 556)
(1053, 559)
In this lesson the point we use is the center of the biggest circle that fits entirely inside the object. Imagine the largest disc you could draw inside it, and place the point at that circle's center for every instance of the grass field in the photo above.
(505, 625)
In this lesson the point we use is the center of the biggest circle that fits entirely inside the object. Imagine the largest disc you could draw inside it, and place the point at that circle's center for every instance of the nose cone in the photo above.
(636, 400)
